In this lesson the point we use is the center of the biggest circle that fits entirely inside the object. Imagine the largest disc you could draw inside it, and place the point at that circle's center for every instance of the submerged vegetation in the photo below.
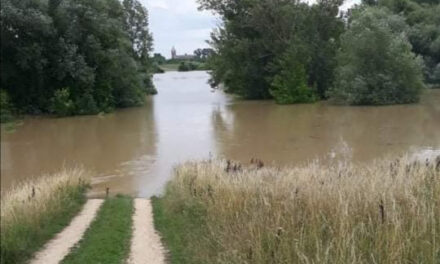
(385, 212)
(107, 240)
(6, 109)
(35, 210)
(74, 56)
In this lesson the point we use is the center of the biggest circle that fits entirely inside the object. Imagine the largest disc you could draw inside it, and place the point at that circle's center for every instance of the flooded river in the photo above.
(133, 150)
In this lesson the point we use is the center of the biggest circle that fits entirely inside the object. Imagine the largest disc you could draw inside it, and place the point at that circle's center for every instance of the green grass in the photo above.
(35, 211)
(108, 238)
(179, 227)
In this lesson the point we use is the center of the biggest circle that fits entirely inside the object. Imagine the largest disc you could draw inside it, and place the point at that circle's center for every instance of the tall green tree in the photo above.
(323, 30)
(255, 35)
(79, 51)
(26, 34)
(136, 24)
(423, 18)
(375, 63)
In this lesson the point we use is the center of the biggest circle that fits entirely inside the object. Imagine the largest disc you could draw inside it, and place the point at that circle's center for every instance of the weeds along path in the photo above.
(146, 246)
(57, 248)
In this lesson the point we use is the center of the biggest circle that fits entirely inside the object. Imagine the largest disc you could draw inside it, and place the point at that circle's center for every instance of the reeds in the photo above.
(382, 212)
(34, 210)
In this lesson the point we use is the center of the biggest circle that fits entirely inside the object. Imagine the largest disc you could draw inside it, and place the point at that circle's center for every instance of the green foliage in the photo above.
(376, 64)
(108, 238)
(289, 85)
(86, 105)
(149, 87)
(99, 49)
(256, 34)
(179, 226)
(323, 41)
(159, 58)
(423, 18)
(187, 66)
(203, 54)
(157, 69)
(61, 104)
(5, 107)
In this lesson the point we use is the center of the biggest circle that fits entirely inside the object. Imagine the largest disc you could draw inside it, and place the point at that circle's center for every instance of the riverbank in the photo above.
(384, 212)
(187, 120)
(34, 211)
(184, 66)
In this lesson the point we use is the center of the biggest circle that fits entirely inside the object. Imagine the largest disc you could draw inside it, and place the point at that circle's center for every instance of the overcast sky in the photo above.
(178, 23)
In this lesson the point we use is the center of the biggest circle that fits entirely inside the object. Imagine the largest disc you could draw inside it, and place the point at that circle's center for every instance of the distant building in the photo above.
(174, 55)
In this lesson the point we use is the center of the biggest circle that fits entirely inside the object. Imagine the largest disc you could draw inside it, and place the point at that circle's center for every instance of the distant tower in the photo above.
(173, 53)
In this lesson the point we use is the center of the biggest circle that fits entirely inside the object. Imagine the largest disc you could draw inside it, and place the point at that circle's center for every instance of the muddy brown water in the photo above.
(133, 151)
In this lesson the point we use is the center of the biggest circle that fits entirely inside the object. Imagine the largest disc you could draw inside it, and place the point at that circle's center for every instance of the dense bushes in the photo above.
(192, 66)
(186, 66)
(61, 104)
(75, 56)
(423, 19)
(256, 35)
(375, 63)
(5, 107)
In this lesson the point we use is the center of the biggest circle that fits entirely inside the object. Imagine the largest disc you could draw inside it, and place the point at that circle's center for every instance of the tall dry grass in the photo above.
(382, 212)
(33, 211)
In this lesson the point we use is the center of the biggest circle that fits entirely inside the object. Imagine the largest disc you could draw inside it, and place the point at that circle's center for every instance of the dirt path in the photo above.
(57, 248)
(146, 247)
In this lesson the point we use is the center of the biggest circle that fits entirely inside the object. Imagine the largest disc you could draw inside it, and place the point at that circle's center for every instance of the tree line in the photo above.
(198, 62)
(379, 52)
(70, 57)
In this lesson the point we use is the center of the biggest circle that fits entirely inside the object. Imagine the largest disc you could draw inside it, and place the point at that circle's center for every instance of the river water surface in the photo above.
(133, 150)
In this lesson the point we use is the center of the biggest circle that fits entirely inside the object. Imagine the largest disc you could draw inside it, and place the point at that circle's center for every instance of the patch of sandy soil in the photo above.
(146, 247)
(57, 248)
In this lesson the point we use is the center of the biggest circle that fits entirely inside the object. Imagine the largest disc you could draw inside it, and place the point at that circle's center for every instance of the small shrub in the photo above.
(183, 67)
(61, 104)
(289, 86)
(151, 90)
(157, 68)
(187, 66)
(5, 107)
(436, 76)
(149, 86)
